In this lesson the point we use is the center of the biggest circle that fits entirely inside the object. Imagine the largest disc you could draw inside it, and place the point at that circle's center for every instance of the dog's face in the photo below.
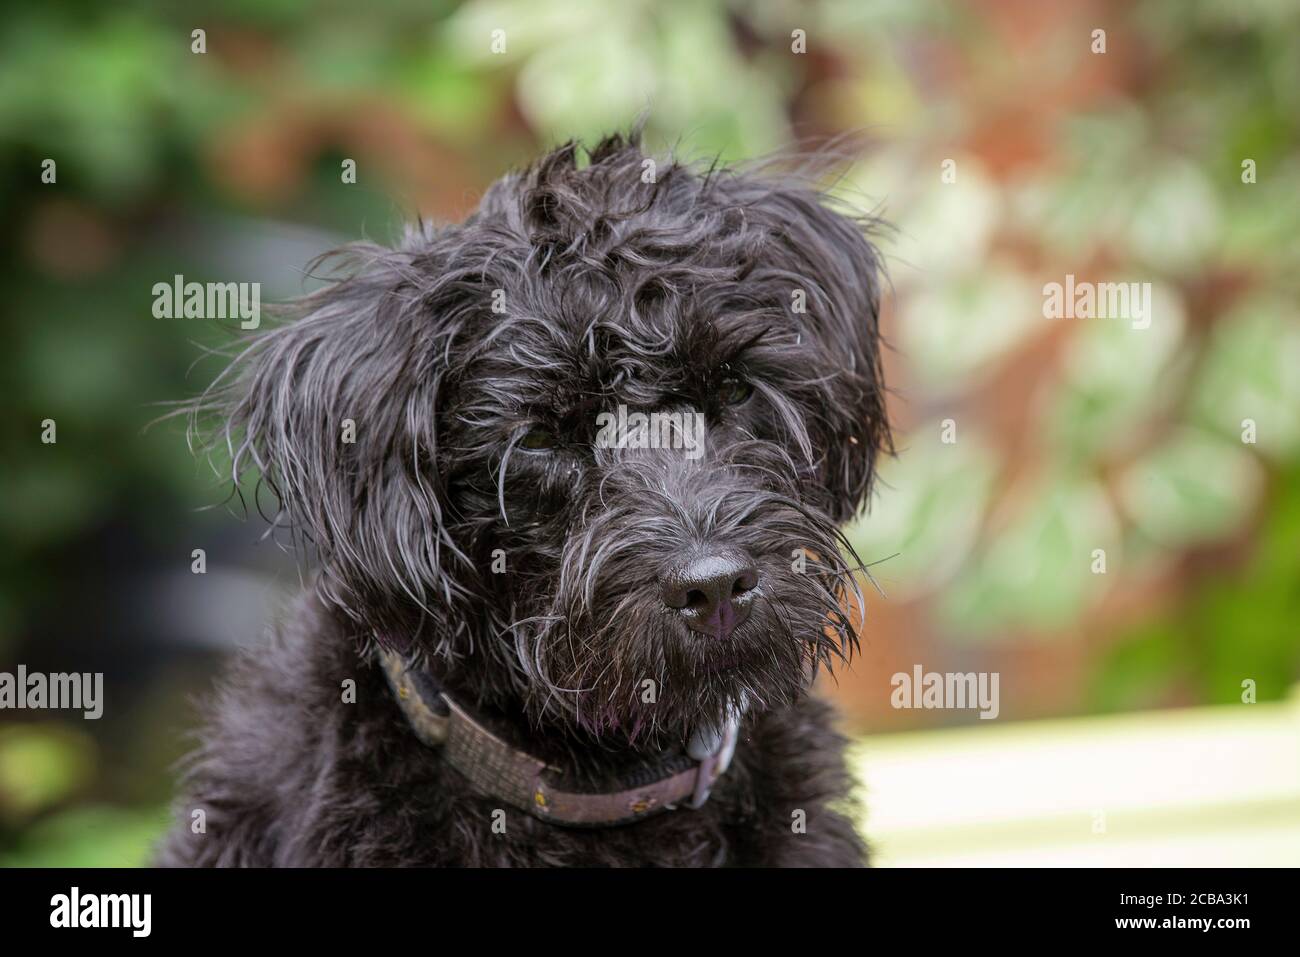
(604, 433)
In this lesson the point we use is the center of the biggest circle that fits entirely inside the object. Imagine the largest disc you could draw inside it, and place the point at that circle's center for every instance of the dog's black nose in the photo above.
(713, 593)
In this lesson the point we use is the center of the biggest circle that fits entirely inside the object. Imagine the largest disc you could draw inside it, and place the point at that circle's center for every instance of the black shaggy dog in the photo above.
(529, 644)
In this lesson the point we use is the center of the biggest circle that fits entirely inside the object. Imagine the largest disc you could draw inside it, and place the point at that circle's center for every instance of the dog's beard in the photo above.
(606, 657)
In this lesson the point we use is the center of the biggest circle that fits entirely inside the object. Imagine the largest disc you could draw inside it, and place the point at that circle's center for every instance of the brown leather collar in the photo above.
(527, 783)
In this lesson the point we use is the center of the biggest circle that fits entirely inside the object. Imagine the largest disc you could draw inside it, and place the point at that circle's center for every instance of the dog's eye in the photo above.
(735, 391)
(538, 439)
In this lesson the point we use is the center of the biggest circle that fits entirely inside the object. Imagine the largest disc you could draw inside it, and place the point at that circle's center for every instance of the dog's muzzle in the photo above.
(529, 784)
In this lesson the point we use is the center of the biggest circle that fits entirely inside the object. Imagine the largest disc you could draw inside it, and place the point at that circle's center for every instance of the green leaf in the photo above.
(1252, 371)
(1115, 376)
(927, 510)
(1037, 572)
(1193, 488)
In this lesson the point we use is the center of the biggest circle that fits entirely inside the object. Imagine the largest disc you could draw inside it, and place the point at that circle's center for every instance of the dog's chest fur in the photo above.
(290, 775)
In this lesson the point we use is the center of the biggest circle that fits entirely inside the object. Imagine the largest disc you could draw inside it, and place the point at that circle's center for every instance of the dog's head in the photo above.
(589, 449)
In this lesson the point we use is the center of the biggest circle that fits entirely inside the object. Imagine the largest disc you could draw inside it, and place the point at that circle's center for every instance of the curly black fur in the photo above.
(572, 289)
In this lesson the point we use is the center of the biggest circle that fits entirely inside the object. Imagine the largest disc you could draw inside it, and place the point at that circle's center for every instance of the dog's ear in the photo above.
(830, 278)
(335, 409)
